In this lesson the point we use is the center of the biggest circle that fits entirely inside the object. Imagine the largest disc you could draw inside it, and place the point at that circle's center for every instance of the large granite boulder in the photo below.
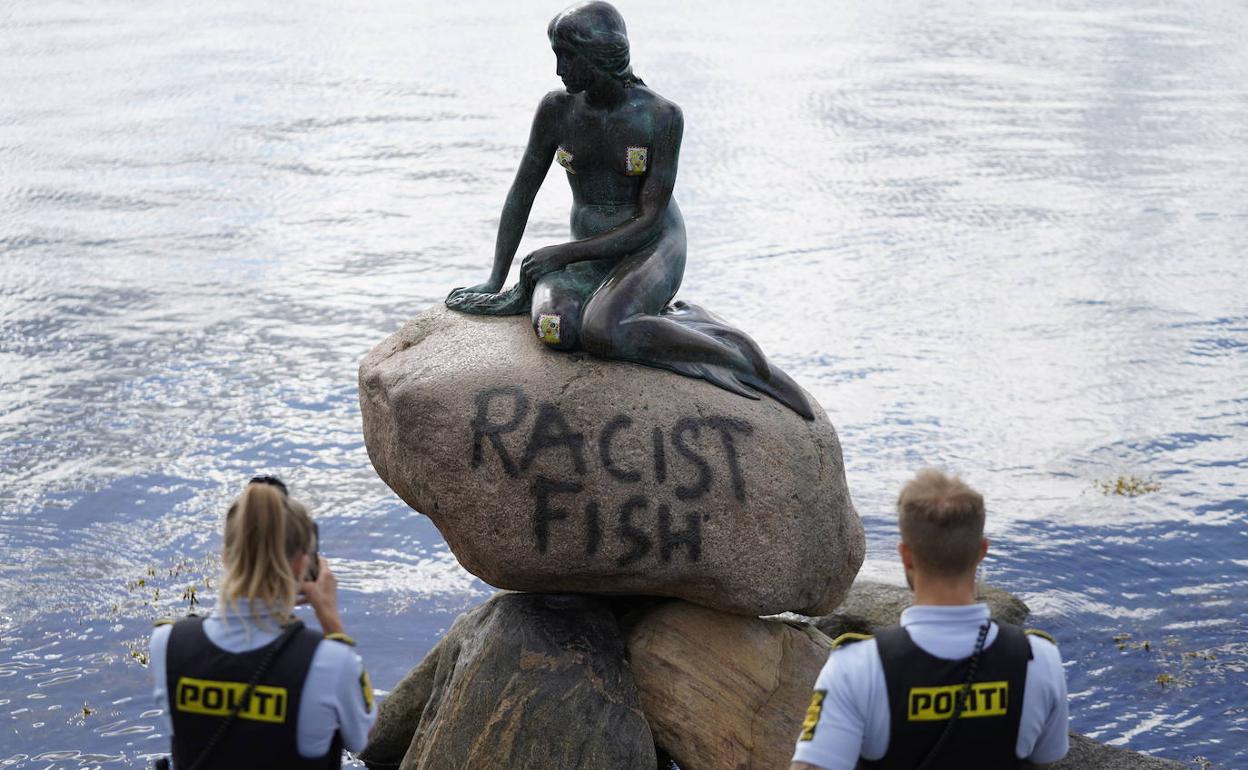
(561, 472)
(724, 691)
(870, 605)
(523, 682)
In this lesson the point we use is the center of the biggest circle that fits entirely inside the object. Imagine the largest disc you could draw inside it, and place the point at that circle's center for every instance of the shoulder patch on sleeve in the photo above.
(163, 622)
(844, 640)
(338, 636)
(366, 688)
(1041, 634)
(813, 712)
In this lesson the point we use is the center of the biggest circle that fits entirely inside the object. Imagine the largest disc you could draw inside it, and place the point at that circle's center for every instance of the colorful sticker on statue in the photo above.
(564, 158)
(813, 712)
(635, 161)
(548, 328)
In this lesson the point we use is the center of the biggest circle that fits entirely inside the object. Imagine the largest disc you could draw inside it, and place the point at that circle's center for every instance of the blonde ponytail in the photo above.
(265, 531)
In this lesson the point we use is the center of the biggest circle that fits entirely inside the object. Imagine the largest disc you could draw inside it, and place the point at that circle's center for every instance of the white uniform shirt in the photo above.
(854, 719)
(333, 694)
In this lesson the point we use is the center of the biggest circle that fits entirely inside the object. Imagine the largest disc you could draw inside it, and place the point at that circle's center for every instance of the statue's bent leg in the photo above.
(628, 318)
(622, 319)
(557, 302)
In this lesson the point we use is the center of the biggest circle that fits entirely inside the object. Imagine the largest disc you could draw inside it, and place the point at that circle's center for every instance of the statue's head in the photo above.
(593, 37)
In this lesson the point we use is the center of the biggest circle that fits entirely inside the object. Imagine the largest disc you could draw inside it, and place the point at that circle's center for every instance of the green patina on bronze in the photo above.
(609, 291)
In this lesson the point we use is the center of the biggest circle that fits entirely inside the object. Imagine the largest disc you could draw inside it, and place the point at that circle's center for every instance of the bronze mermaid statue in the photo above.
(609, 292)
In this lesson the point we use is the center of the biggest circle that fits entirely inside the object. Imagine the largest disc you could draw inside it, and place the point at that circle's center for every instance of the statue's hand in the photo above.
(542, 262)
(514, 301)
(489, 287)
(469, 301)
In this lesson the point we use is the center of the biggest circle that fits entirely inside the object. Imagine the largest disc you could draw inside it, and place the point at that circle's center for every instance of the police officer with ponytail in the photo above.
(250, 686)
(947, 688)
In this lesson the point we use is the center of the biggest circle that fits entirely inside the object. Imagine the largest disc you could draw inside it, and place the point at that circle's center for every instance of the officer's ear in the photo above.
(983, 549)
(907, 556)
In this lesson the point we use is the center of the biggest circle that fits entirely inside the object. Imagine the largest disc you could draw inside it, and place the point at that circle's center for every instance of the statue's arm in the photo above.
(632, 234)
(534, 166)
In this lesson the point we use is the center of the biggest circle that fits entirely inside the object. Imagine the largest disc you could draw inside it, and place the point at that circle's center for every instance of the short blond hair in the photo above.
(942, 520)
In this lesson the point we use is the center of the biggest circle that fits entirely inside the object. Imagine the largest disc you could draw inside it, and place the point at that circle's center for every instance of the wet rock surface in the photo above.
(554, 472)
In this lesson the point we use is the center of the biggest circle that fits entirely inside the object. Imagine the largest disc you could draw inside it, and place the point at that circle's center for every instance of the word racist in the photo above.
(686, 469)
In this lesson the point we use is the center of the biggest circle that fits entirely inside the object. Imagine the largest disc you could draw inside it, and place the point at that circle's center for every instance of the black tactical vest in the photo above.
(923, 691)
(205, 682)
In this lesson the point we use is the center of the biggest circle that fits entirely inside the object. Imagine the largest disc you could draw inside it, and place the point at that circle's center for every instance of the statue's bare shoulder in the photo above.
(558, 99)
(554, 105)
(666, 112)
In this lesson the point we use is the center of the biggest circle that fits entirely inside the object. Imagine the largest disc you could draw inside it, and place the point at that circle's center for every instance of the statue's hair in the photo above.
(942, 520)
(595, 30)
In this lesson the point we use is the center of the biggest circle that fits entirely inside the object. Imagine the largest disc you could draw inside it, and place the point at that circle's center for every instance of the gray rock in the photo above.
(555, 472)
(1086, 754)
(522, 682)
(870, 605)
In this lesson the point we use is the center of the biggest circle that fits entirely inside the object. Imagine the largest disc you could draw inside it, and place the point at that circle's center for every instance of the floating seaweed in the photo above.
(1128, 486)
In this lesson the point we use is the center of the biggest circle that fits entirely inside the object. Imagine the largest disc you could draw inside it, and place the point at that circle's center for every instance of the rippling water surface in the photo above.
(1006, 238)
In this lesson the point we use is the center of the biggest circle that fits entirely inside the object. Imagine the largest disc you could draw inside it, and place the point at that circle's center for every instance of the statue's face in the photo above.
(576, 73)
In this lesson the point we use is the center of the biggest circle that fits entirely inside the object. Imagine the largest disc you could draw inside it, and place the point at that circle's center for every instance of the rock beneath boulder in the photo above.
(555, 472)
(870, 605)
(724, 691)
(1086, 754)
(522, 682)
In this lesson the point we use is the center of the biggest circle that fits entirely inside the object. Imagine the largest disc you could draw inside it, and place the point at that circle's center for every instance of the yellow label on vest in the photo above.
(635, 161)
(813, 711)
(934, 704)
(218, 699)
